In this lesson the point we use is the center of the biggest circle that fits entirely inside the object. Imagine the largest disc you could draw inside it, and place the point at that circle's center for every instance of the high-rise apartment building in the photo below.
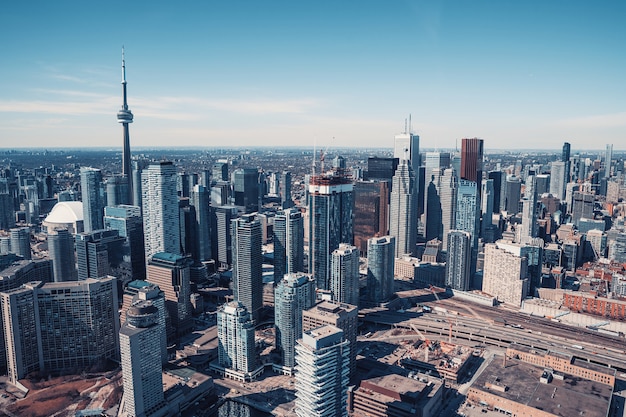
(458, 266)
(344, 316)
(100, 253)
(505, 274)
(171, 273)
(288, 243)
(140, 351)
(93, 198)
(403, 210)
(7, 211)
(221, 236)
(129, 224)
(117, 191)
(235, 332)
(76, 326)
(530, 209)
(61, 252)
(468, 209)
(285, 189)
(331, 207)
(499, 190)
(161, 223)
(448, 190)
(200, 199)
(371, 211)
(248, 263)
(20, 241)
(293, 294)
(487, 202)
(608, 157)
(380, 268)
(558, 179)
(323, 375)
(344, 274)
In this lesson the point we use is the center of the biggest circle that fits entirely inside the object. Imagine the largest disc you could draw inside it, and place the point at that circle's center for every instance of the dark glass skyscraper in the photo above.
(331, 207)
(247, 263)
(288, 243)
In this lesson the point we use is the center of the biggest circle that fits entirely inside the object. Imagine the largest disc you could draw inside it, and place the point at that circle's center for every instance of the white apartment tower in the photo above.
(294, 294)
(344, 274)
(323, 373)
(161, 222)
(235, 332)
(140, 349)
(505, 275)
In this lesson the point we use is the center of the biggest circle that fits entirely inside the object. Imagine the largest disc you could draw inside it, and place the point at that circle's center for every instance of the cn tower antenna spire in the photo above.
(125, 116)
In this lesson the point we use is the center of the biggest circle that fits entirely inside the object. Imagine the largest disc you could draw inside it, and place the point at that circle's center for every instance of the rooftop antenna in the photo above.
(409, 123)
(405, 125)
(314, 154)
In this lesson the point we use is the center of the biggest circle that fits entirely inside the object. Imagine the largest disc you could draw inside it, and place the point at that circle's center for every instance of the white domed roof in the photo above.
(66, 212)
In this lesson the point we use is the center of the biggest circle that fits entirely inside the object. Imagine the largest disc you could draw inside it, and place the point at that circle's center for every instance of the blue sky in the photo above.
(520, 74)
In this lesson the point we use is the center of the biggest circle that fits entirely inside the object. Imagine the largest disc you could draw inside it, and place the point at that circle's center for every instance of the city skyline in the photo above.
(323, 73)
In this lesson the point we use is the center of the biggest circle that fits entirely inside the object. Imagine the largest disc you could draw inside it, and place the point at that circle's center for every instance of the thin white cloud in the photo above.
(76, 102)
(594, 121)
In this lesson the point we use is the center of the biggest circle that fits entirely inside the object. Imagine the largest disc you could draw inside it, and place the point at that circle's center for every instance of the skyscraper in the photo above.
(200, 200)
(529, 208)
(100, 253)
(293, 294)
(467, 212)
(407, 146)
(288, 243)
(285, 189)
(344, 316)
(558, 179)
(380, 268)
(20, 241)
(76, 326)
(221, 236)
(93, 198)
(458, 266)
(246, 189)
(608, 157)
(128, 222)
(472, 160)
(403, 209)
(117, 191)
(499, 190)
(344, 274)
(565, 155)
(247, 263)
(160, 209)
(512, 194)
(235, 333)
(448, 194)
(140, 350)
(323, 375)
(331, 206)
(371, 211)
(61, 251)
(487, 202)
(505, 275)
(170, 272)
(125, 116)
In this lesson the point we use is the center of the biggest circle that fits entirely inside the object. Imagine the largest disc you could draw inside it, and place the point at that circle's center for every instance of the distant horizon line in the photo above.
(287, 147)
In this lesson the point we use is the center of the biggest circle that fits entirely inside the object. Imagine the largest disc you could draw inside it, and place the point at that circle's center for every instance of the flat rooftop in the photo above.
(565, 398)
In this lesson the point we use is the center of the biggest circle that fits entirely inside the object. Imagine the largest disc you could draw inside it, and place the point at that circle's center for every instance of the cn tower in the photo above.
(125, 116)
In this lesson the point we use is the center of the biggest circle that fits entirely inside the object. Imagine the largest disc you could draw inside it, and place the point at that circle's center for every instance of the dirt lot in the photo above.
(63, 396)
